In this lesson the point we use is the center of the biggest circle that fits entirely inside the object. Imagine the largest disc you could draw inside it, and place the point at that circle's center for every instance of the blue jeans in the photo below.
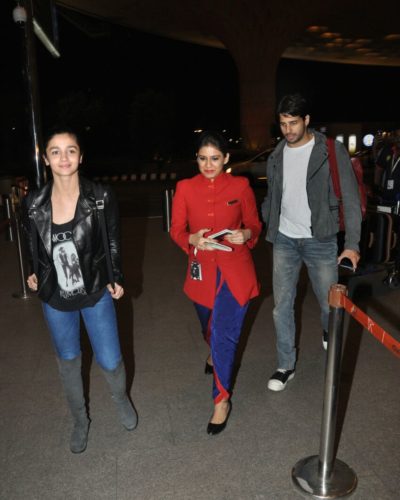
(101, 326)
(320, 257)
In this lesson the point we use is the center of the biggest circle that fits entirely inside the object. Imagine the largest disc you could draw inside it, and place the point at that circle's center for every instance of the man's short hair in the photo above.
(293, 105)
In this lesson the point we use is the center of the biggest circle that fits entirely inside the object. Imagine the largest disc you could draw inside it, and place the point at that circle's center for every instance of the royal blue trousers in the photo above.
(221, 327)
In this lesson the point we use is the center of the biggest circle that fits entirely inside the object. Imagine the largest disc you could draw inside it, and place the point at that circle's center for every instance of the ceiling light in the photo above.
(328, 34)
(316, 29)
(353, 45)
(393, 36)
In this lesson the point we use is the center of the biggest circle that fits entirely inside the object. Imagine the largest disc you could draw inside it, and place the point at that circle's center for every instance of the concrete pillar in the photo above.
(257, 69)
(257, 108)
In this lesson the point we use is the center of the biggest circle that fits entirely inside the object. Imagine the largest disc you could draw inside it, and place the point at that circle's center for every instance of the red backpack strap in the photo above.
(358, 170)
(333, 167)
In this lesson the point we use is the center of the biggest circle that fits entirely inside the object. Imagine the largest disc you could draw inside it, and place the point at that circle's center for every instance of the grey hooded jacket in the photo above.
(323, 203)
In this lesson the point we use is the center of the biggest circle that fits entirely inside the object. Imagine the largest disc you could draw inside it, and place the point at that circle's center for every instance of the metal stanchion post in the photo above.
(324, 476)
(23, 294)
(167, 203)
(8, 212)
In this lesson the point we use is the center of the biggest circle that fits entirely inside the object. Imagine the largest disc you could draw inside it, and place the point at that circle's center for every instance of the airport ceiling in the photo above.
(345, 31)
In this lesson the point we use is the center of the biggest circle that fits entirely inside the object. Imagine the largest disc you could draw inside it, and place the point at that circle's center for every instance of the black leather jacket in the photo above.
(86, 234)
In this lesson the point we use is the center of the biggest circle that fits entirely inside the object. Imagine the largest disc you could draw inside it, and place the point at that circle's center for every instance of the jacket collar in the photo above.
(219, 182)
(42, 213)
(43, 196)
(318, 155)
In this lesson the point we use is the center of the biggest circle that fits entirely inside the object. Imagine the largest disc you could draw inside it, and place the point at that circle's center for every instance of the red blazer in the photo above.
(227, 202)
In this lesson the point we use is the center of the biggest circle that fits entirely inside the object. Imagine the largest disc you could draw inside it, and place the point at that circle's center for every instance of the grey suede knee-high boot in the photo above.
(71, 377)
(117, 381)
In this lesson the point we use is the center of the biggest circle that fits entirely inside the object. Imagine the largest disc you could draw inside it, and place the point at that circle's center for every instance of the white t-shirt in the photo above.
(295, 218)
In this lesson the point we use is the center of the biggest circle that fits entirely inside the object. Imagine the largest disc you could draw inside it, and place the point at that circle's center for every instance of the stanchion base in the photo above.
(22, 295)
(305, 477)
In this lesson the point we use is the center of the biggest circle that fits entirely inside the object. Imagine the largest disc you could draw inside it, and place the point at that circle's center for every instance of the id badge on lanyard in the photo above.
(390, 182)
(195, 269)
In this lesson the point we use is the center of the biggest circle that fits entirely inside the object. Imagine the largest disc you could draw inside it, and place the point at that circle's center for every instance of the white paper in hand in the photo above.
(221, 233)
(218, 246)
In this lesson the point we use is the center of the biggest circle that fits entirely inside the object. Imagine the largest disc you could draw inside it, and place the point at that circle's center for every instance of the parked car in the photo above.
(254, 168)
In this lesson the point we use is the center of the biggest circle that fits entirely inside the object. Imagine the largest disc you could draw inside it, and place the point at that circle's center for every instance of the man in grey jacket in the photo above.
(302, 216)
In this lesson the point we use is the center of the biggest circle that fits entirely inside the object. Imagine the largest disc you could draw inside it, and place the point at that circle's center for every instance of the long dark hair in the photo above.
(62, 129)
(211, 138)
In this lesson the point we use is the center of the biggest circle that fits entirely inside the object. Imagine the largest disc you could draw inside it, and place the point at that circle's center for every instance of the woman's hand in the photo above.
(117, 292)
(32, 282)
(238, 236)
(198, 240)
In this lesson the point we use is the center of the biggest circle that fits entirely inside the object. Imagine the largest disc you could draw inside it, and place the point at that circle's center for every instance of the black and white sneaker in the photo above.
(279, 379)
(325, 340)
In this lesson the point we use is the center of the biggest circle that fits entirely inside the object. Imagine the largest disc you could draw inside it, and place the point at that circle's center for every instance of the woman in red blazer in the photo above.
(220, 282)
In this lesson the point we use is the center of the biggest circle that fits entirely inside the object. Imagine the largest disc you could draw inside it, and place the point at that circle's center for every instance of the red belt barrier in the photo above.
(379, 333)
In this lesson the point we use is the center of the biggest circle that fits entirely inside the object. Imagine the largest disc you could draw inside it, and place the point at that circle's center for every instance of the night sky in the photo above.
(132, 89)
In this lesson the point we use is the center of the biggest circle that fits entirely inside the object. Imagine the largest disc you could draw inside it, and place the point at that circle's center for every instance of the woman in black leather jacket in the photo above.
(62, 223)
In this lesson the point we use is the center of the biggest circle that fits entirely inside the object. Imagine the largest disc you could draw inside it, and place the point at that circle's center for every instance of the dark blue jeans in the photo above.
(320, 257)
(101, 325)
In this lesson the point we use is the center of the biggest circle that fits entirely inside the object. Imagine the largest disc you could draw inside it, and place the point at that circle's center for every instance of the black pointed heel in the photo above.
(208, 369)
(214, 429)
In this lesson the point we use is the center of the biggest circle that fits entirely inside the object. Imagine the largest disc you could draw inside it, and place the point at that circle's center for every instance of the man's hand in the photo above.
(350, 254)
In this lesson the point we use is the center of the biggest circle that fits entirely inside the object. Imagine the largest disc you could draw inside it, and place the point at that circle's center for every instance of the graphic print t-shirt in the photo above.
(70, 294)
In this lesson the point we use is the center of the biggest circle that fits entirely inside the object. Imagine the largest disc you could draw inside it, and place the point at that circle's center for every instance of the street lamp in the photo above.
(22, 15)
